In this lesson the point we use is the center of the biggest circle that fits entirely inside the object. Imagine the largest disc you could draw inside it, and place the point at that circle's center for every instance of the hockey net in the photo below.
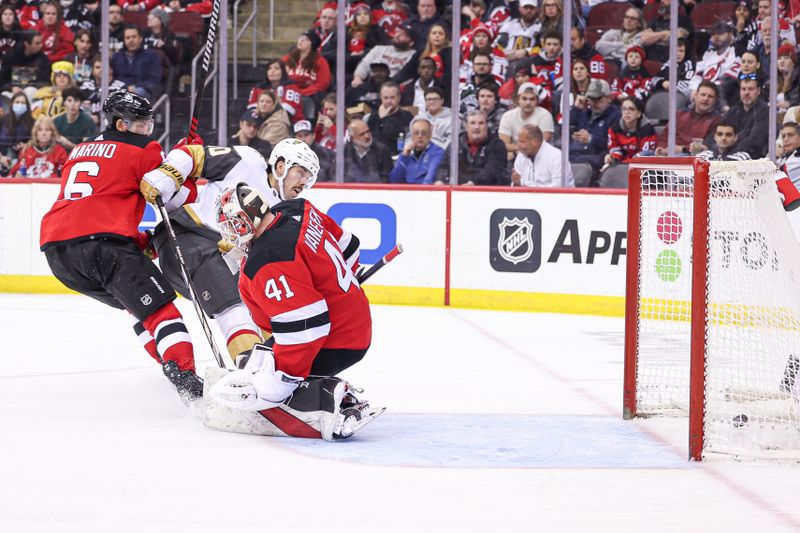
(713, 306)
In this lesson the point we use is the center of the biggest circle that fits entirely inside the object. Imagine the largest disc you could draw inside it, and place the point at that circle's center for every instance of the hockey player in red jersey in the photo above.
(90, 236)
(297, 285)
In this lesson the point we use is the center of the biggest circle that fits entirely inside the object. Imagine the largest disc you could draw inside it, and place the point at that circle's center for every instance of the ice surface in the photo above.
(496, 422)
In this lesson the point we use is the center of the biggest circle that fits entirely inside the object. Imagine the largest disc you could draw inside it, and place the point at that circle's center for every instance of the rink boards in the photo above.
(550, 250)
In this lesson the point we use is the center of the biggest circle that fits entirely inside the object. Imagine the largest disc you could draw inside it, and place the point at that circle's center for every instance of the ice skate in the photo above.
(189, 385)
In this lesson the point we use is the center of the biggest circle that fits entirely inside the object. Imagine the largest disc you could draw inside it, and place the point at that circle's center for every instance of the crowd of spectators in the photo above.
(398, 68)
(50, 70)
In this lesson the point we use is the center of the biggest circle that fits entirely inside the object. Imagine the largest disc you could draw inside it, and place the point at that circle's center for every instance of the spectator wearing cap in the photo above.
(248, 134)
(363, 36)
(369, 92)
(47, 100)
(327, 158)
(74, 126)
(389, 120)
(517, 36)
(589, 139)
(26, 67)
(420, 158)
(136, 67)
(426, 16)
(56, 37)
(522, 74)
(750, 119)
(538, 163)
(306, 67)
(275, 125)
(365, 159)
(481, 156)
(395, 55)
(633, 80)
(719, 62)
(159, 38)
(745, 27)
(479, 41)
(655, 38)
(526, 112)
(438, 115)
(615, 42)
(492, 13)
(788, 84)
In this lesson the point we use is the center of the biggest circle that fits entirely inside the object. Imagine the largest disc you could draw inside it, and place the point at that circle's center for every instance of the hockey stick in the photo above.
(209, 49)
(173, 239)
(368, 273)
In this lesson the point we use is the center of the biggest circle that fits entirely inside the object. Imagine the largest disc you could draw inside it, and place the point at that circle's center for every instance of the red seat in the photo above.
(651, 12)
(653, 67)
(706, 14)
(187, 25)
(138, 18)
(608, 14)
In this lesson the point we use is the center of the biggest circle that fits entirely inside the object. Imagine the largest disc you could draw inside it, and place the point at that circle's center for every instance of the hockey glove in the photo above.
(145, 243)
(165, 180)
(194, 139)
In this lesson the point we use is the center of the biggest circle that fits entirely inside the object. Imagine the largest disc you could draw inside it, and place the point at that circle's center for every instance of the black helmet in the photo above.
(126, 105)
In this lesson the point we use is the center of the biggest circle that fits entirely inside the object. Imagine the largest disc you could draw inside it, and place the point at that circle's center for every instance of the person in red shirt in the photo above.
(42, 156)
(56, 37)
(91, 240)
(299, 286)
(284, 88)
(632, 135)
(306, 67)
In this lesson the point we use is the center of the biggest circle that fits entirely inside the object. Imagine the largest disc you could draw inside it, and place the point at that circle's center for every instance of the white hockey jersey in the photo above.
(515, 36)
(223, 167)
(715, 66)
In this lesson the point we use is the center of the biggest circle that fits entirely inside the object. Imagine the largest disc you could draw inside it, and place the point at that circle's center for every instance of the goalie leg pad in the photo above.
(311, 412)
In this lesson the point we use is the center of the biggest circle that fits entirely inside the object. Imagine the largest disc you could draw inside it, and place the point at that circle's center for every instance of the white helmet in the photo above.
(240, 211)
(295, 153)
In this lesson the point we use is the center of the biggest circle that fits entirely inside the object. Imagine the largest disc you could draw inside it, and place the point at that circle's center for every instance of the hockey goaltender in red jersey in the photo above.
(297, 286)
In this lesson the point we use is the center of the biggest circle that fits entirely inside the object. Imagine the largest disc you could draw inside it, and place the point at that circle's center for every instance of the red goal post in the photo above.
(712, 319)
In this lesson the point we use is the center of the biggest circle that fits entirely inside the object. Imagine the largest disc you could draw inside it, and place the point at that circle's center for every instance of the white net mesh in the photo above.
(665, 283)
(753, 308)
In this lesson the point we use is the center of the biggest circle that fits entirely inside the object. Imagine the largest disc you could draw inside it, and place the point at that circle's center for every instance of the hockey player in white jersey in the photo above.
(194, 218)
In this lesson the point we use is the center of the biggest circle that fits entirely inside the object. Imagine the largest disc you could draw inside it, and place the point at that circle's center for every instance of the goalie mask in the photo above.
(294, 153)
(240, 211)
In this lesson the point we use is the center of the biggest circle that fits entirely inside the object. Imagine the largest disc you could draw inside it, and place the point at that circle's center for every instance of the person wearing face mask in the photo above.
(15, 130)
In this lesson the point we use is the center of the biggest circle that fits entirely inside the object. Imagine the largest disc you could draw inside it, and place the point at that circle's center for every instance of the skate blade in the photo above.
(350, 426)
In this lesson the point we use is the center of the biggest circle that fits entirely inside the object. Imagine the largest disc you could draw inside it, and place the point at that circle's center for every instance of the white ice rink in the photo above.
(496, 422)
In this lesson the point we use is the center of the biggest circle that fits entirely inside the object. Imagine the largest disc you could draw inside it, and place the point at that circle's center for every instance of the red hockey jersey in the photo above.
(289, 96)
(100, 188)
(297, 285)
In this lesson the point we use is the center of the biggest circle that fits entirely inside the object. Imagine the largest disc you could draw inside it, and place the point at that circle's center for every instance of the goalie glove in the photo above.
(788, 192)
(256, 387)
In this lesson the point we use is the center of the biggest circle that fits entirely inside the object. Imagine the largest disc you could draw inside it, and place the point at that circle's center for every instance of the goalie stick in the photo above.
(368, 273)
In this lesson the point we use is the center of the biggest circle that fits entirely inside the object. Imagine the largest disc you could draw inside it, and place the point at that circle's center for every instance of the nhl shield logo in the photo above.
(515, 240)
(146, 299)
